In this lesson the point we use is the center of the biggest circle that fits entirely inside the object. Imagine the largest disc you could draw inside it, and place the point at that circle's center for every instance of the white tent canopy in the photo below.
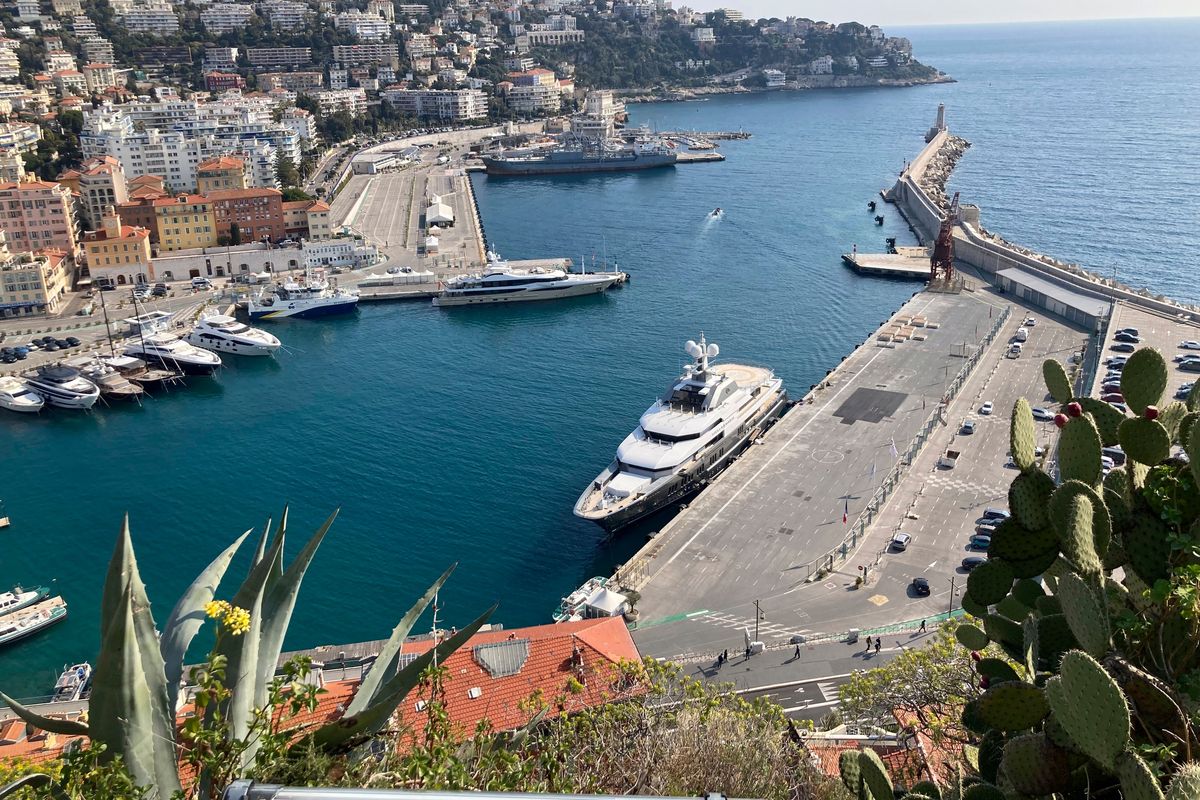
(439, 214)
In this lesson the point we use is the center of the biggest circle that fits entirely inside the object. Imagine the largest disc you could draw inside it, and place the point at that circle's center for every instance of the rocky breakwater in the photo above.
(936, 172)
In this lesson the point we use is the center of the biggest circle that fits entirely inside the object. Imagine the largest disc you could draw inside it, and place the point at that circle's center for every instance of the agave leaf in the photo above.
(385, 662)
(279, 601)
(122, 708)
(188, 616)
(119, 567)
(263, 538)
(350, 730)
(66, 727)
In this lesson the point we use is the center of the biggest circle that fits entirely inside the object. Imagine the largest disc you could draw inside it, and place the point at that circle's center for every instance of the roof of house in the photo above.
(148, 178)
(127, 232)
(906, 765)
(237, 194)
(221, 162)
(146, 193)
(319, 205)
(182, 199)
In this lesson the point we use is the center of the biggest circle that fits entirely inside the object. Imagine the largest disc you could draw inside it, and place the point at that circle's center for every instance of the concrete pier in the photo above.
(906, 262)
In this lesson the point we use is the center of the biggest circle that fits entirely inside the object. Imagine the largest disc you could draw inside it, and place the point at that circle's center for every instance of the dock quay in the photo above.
(709, 135)
(772, 523)
(906, 262)
(690, 157)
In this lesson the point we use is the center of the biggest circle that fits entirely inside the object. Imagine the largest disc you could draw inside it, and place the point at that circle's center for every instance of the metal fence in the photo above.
(828, 561)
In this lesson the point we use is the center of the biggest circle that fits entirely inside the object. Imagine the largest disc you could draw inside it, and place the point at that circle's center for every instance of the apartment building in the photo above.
(221, 18)
(21, 137)
(292, 81)
(118, 253)
(286, 15)
(157, 19)
(100, 183)
(222, 81)
(98, 49)
(257, 213)
(300, 122)
(367, 53)
(352, 100)
(223, 172)
(364, 26)
(37, 215)
(451, 105)
(184, 222)
(279, 56)
(220, 59)
(32, 283)
(98, 77)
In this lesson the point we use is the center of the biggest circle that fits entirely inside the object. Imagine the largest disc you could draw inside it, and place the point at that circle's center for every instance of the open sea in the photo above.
(466, 434)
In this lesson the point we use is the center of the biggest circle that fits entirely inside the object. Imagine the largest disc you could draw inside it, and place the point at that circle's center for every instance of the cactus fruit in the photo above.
(1028, 497)
(1035, 766)
(982, 791)
(851, 774)
(1022, 435)
(997, 669)
(990, 581)
(1137, 780)
(1171, 416)
(1144, 440)
(1150, 412)
(1054, 638)
(1107, 419)
(1079, 451)
(876, 784)
(1090, 707)
(1186, 783)
(1056, 380)
(1013, 706)
(1061, 420)
(971, 637)
(1148, 548)
(1084, 613)
(1143, 380)
(1012, 541)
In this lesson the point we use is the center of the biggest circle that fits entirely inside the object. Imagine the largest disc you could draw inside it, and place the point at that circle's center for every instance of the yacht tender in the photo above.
(500, 283)
(173, 353)
(685, 439)
(15, 395)
(223, 334)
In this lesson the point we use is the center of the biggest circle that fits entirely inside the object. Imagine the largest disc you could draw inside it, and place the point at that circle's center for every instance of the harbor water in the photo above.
(467, 434)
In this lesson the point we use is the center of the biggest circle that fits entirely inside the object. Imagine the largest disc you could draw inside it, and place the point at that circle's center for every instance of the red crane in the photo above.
(942, 260)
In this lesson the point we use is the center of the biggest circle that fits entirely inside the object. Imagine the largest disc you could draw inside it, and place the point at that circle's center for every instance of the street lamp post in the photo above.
(952, 595)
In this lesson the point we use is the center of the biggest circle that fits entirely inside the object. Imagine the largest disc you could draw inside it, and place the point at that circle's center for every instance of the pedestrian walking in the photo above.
(797, 651)
(922, 626)
(868, 643)
(876, 645)
(725, 655)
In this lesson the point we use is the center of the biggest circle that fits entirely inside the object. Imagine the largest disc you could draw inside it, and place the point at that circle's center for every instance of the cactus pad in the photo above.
(1079, 451)
(982, 791)
(1013, 608)
(1193, 398)
(1060, 514)
(876, 784)
(1036, 767)
(990, 582)
(1144, 440)
(1022, 435)
(1186, 783)
(973, 607)
(1148, 547)
(1028, 496)
(1050, 604)
(971, 637)
(1012, 706)
(1054, 638)
(1150, 696)
(1077, 542)
(1107, 418)
(1090, 707)
(997, 670)
(926, 789)
(971, 719)
(848, 767)
(1171, 416)
(1028, 591)
(1137, 780)
(1003, 630)
(1084, 613)
(1033, 567)
(1012, 541)
(1057, 381)
(1193, 448)
(1144, 379)
(1184, 434)
(991, 752)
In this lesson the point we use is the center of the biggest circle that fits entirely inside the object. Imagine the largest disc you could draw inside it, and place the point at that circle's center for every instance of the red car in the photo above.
(1108, 388)
(1113, 397)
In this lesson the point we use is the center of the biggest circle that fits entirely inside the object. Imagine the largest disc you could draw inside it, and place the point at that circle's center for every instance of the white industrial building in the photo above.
(451, 105)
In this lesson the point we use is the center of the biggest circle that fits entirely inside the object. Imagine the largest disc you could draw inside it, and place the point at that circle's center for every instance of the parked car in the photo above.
(994, 513)
(1110, 386)
(1130, 331)
(1115, 453)
(1042, 414)
(986, 408)
(1113, 397)
(971, 562)
(1107, 462)
(159, 291)
(968, 426)
(920, 587)
(1190, 344)
(1119, 407)
(901, 541)
(1123, 347)
(1190, 366)
(1115, 360)
(980, 541)
(1131, 338)
(987, 528)
(1030, 322)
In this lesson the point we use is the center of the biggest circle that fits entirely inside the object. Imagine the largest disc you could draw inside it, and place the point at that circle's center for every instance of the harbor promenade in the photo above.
(794, 508)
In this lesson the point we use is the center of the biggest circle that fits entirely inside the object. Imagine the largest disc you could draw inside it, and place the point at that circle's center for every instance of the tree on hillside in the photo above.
(286, 171)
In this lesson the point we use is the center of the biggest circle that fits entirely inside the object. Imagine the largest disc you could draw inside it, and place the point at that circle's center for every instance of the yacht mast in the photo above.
(107, 328)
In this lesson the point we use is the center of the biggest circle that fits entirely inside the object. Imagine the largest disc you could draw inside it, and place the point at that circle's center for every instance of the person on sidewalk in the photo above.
(877, 640)
(797, 655)
(922, 626)
(868, 643)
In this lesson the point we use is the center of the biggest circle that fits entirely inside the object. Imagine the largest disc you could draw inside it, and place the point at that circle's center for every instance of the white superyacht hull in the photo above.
(524, 295)
(230, 346)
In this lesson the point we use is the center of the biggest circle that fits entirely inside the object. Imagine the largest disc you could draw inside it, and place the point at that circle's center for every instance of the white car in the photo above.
(1190, 344)
(986, 408)
(1030, 322)
(1043, 415)
(968, 426)
(901, 541)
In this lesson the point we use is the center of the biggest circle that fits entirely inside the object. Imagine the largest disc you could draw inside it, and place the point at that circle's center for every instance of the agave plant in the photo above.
(138, 674)
(1100, 690)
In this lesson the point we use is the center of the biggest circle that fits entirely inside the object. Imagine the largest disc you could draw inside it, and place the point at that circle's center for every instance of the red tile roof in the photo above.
(234, 194)
(319, 205)
(181, 199)
(905, 765)
(221, 162)
(127, 232)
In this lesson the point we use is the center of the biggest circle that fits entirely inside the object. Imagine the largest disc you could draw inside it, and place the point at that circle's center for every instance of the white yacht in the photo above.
(500, 283)
(62, 386)
(107, 378)
(223, 334)
(15, 395)
(685, 439)
(173, 353)
(316, 297)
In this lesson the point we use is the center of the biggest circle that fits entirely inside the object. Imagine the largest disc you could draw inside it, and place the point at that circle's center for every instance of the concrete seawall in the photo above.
(989, 253)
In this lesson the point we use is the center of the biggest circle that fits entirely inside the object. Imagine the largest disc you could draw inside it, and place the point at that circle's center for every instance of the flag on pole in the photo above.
(846, 513)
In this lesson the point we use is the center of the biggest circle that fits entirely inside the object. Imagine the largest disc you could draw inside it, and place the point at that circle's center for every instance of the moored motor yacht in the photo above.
(15, 395)
(32, 619)
(141, 373)
(173, 353)
(18, 598)
(683, 441)
(73, 683)
(501, 283)
(108, 379)
(62, 386)
(315, 297)
(224, 334)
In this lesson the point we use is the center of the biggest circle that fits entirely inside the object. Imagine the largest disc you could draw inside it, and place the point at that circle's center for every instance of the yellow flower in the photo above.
(237, 620)
(215, 609)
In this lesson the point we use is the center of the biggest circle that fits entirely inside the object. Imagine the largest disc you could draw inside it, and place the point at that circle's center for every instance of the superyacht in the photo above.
(683, 441)
(501, 283)
(171, 352)
(315, 297)
(223, 334)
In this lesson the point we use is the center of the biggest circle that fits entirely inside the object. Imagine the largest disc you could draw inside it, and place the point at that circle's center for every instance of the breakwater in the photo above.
(920, 195)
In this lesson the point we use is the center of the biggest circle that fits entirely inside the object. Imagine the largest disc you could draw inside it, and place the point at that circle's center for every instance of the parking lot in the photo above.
(1153, 330)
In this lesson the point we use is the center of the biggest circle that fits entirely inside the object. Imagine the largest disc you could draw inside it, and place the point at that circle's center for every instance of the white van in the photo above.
(201, 283)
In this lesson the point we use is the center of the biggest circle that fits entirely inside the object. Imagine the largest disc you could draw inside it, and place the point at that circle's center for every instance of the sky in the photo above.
(941, 12)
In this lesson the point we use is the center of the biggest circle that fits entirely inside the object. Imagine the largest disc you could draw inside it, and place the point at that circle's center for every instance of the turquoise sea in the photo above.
(466, 434)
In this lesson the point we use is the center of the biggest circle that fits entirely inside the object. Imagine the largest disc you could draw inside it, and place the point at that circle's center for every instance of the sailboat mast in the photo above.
(107, 328)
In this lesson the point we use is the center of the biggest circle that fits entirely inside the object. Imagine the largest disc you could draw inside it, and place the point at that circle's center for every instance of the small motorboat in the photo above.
(15, 395)
(38, 617)
(18, 598)
(870, 205)
(73, 684)
(717, 212)
(879, 219)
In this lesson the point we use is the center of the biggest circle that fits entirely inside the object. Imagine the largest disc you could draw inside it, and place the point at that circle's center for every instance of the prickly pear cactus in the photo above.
(1087, 636)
